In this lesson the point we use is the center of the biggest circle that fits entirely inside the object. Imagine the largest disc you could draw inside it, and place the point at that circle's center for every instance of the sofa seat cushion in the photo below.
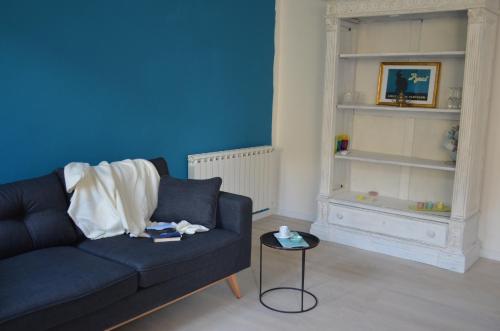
(43, 288)
(160, 262)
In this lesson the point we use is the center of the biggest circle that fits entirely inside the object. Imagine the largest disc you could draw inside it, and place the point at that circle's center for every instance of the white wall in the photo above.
(300, 42)
(298, 103)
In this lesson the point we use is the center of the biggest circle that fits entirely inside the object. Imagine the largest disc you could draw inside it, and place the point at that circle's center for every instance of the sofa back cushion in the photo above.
(192, 200)
(161, 166)
(33, 215)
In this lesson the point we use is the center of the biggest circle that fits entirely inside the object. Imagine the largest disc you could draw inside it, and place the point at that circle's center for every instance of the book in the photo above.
(165, 235)
(288, 243)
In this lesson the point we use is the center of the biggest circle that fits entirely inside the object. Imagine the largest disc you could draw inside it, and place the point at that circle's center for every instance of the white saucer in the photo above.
(277, 234)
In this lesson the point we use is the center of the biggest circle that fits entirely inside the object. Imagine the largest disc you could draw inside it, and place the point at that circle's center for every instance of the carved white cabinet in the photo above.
(398, 151)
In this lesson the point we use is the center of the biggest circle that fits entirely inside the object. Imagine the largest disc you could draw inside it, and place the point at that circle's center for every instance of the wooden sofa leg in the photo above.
(233, 284)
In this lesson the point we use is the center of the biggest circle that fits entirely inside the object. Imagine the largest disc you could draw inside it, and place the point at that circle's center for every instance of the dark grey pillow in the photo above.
(192, 200)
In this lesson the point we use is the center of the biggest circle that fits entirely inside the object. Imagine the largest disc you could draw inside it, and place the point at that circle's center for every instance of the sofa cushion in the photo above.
(160, 165)
(33, 215)
(159, 262)
(47, 287)
(193, 200)
(50, 228)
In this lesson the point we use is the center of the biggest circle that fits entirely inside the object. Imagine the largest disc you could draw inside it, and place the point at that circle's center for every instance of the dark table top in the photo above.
(269, 240)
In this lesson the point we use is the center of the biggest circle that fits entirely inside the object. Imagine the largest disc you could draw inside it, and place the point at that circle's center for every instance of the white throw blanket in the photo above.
(112, 199)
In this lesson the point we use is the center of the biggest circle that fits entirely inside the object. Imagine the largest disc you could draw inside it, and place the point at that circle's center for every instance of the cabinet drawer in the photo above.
(428, 232)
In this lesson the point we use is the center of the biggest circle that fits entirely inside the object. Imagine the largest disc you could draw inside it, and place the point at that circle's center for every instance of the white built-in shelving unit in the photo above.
(398, 151)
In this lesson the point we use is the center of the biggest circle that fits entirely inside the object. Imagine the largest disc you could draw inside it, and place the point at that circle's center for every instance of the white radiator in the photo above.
(248, 171)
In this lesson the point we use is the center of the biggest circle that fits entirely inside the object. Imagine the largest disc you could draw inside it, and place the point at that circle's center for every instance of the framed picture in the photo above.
(419, 82)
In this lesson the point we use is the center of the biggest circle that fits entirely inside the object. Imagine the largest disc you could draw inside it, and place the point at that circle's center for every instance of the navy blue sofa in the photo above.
(53, 278)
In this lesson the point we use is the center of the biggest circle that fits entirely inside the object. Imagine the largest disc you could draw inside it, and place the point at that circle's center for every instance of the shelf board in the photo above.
(398, 160)
(388, 205)
(406, 54)
(399, 109)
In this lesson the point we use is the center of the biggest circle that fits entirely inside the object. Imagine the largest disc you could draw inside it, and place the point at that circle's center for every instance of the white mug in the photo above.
(284, 231)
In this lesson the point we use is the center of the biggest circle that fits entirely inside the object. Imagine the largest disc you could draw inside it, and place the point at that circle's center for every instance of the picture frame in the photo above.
(419, 82)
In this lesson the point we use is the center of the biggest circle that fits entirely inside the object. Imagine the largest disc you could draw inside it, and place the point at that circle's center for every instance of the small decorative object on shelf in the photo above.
(372, 196)
(342, 144)
(401, 100)
(430, 206)
(454, 97)
(351, 97)
(347, 98)
(451, 141)
(360, 197)
(408, 84)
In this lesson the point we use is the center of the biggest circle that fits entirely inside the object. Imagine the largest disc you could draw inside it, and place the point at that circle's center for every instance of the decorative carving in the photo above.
(355, 8)
(328, 105)
(326, 156)
(477, 77)
(456, 235)
(331, 23)
(322, 211)
(481, 15)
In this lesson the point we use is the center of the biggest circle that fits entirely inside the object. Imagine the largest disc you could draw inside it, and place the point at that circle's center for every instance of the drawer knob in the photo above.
(340, 216)
(431, 233)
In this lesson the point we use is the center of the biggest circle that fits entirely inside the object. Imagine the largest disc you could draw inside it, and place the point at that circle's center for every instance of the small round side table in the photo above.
(268, 239)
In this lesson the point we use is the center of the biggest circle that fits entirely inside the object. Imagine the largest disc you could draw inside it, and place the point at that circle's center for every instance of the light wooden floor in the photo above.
(357, 290)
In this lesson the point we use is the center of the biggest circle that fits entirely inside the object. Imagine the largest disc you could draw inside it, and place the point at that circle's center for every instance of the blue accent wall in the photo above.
(92, 80)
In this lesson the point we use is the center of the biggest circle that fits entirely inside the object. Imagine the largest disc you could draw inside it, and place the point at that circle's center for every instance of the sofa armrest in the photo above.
(234, 213)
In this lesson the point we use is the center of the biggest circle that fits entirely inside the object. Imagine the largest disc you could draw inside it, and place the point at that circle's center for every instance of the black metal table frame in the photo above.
(302, 310)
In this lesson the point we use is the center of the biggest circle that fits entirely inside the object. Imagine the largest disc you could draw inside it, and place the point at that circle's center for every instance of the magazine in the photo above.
(289, 243)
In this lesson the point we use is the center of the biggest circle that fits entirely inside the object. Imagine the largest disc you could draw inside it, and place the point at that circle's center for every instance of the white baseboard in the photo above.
(490, 254)
(261, 215)
(296, 214)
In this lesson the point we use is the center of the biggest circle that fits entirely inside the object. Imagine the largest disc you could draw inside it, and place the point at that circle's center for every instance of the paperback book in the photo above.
(165, 235)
